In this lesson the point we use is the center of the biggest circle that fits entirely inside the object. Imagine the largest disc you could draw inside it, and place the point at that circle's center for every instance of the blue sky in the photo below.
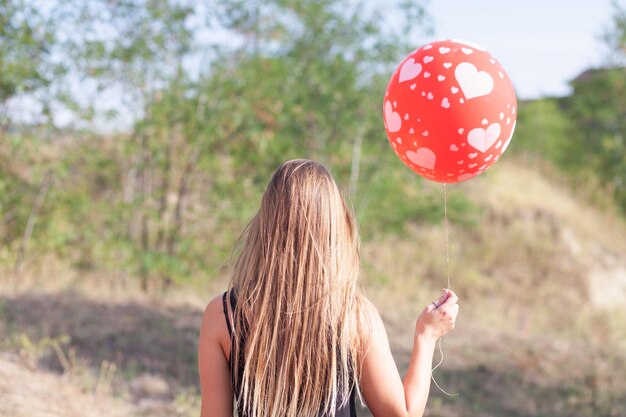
(542, 43)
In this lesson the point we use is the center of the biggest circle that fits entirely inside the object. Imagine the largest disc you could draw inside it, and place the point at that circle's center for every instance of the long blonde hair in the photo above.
(296, 283)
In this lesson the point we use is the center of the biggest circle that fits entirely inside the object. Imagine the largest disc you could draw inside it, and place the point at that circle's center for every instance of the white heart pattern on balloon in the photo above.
(483, 139)
(424, 157)
(473, 83)
(410, 69)
(393, 120)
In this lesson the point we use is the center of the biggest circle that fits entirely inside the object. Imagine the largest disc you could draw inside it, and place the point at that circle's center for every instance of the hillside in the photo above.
(541, 274)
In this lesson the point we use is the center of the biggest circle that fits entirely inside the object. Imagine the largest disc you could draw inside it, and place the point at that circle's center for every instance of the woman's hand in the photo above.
(437, 320)
(385, 393)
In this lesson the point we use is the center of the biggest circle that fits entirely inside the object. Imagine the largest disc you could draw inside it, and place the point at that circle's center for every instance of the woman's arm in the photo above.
(217, 393)
(385, 393)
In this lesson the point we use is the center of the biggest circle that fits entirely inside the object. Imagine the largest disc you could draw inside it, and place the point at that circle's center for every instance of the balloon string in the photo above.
(437, 366)
(445, 216)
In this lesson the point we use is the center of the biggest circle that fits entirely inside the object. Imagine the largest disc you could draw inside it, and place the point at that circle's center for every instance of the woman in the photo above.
(294, 336)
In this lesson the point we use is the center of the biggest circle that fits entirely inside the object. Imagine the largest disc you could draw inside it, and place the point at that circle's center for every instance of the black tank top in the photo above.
(347, 410)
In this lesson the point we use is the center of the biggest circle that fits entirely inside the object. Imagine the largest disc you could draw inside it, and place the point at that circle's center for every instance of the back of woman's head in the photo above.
(296, 285)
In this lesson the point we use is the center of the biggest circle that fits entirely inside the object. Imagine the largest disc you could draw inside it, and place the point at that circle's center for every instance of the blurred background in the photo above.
(137, 136)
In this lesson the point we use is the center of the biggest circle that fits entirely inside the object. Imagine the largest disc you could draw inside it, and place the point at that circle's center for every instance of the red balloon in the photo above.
(449, 110)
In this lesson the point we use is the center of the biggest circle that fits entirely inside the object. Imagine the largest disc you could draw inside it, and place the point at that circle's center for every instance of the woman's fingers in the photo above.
(448, 312)
(442, 299)
(439, 317)
(449, 309)
(439, 301)
(451, 297)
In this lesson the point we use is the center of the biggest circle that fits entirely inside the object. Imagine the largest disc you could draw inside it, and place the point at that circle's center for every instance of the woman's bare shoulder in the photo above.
(371, 323)
(214, 324)
(368, 310)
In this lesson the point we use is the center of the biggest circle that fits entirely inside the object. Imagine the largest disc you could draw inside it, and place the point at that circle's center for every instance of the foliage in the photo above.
(26, 37)
(544, 131)
(127, 48)
(615, 35)
(164, 198)
(598, 111)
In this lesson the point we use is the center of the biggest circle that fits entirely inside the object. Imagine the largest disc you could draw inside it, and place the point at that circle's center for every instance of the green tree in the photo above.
(165, 200)
(139, 48)
(597, 111)
(544, 131)
(615, 35)
(26, 40)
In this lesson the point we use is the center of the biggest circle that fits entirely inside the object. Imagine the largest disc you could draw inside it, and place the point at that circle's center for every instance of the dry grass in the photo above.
(26, 392)
(140, 353)
(514, 188)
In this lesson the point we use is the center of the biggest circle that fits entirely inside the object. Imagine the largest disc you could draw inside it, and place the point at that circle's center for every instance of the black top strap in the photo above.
(230, 329)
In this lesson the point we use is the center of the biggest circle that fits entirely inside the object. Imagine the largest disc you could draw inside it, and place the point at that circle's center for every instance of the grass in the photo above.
(140, 353)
